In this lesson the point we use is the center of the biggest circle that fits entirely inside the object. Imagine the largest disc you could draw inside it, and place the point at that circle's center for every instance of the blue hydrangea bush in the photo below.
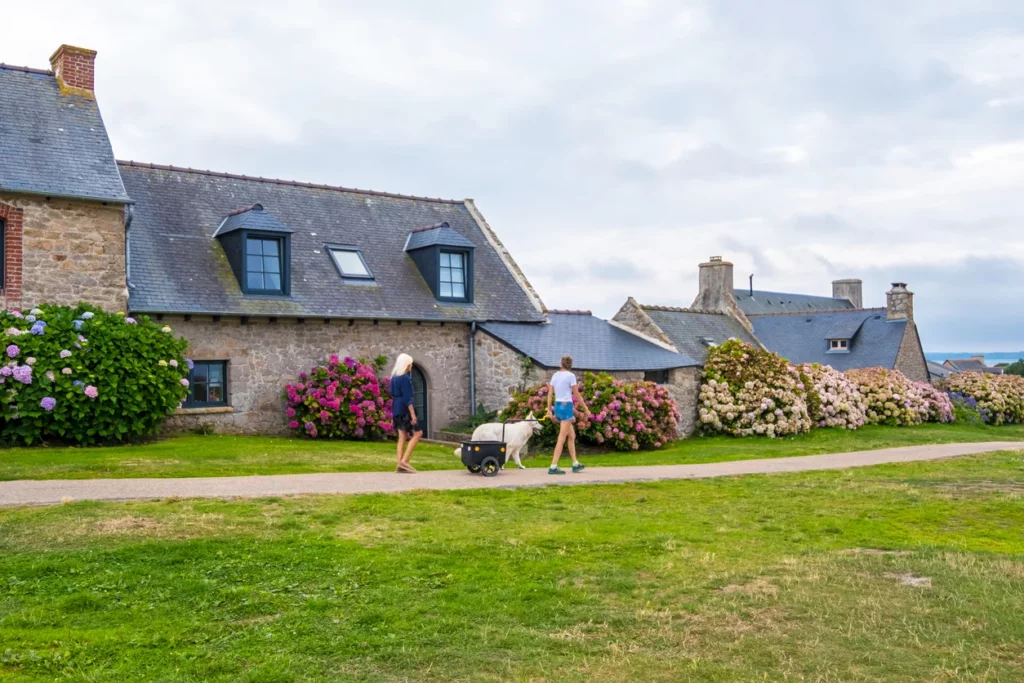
(81, 375)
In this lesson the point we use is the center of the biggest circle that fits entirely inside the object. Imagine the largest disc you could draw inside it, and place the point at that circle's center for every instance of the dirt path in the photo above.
(30, 492)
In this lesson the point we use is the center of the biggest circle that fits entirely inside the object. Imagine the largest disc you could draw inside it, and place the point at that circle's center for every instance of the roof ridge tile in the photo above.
(279, 181)
(817, 312)
(26, 69)
(564, 311)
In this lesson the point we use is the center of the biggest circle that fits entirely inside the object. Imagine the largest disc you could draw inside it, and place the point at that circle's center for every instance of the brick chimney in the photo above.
(899, 302)
(851, 290)
(716, 290)
(75, 68)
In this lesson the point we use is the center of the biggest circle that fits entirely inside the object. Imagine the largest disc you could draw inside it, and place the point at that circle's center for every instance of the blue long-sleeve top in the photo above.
(401, 394)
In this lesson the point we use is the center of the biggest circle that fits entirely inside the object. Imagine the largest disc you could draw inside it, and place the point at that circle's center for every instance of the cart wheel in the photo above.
(473, 468)
(490, 466)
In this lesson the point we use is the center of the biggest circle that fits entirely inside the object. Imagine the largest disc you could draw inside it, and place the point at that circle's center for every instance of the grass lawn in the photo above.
(911, 572)
(217, 455)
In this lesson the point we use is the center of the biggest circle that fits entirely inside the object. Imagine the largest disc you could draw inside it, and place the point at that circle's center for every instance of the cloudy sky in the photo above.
(614, 144)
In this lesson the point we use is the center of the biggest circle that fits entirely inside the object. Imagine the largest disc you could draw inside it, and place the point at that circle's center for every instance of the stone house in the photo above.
(836, 331)
(972, 364)
(266, 278)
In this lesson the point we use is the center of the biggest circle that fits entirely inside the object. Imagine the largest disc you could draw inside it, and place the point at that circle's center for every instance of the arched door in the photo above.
(419, 398)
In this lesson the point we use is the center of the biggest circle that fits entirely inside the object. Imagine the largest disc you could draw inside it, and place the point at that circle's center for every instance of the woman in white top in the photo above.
(563, 389)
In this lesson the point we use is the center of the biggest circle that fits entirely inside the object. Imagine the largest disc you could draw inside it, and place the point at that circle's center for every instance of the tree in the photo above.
(1015, 368)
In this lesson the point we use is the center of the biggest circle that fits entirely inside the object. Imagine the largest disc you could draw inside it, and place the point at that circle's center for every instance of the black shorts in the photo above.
(403, 423)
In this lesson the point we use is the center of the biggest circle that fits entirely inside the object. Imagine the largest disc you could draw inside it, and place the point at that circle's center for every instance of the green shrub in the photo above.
(82, 375)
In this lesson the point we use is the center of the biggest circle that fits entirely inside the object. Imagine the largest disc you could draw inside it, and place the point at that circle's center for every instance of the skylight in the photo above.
(350, 263)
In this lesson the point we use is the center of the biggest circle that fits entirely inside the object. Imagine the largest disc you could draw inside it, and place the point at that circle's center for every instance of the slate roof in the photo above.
(938, 370)
(971, 365)
(51, 143)
(801, 338)
(593, 343)
(781, 302)
(252, 218)
(177, 266)
(439, 235)
(687, 329)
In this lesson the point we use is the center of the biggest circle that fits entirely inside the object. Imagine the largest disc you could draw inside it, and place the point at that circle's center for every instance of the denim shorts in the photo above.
(564, 411)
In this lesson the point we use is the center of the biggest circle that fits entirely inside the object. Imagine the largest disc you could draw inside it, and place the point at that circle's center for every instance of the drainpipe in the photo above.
(472, 368)
(129, 215)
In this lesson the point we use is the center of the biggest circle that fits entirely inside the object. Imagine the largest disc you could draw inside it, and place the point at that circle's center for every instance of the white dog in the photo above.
(516, 436)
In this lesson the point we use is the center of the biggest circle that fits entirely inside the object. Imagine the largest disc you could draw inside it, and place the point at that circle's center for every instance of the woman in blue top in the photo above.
(404, 412)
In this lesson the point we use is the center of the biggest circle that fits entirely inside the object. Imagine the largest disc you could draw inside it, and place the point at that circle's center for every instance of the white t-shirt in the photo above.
(563, 382)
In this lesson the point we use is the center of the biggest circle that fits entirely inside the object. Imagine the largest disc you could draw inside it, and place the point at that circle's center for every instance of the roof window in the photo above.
(350, 262)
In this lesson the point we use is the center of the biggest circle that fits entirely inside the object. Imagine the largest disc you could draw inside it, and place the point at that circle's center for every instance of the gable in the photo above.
(177, 266)
(52, 143)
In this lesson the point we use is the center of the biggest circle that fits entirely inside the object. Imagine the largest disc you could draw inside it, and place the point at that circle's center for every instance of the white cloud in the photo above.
(802, 140)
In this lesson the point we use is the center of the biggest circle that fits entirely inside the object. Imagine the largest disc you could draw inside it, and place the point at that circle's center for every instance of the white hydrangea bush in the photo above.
(833, 399)
(751, 392)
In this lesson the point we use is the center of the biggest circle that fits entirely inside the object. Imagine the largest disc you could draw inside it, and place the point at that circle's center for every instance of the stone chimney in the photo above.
(716, 290)
(851, 290)
(899, 302)
(980, 359)
(75, 69)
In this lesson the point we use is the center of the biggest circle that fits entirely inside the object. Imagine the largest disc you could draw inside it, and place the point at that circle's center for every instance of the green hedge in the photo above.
(82, 375)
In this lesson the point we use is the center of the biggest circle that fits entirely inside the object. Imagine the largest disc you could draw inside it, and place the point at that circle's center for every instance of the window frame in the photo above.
(657, 375)
(283, 252)
(838, 344)
(189, 400)
(331, 248)
(467, 269)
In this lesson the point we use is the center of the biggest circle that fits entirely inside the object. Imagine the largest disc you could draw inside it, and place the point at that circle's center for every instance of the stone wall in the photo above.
(684, 385)
(500, 373)
(263, 357)
(71, 251)
(910, 359)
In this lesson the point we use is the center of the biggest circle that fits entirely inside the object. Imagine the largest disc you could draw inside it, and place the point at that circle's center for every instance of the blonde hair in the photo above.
(402, 365)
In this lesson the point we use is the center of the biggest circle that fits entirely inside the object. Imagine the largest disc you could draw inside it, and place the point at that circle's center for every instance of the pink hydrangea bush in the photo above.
(748, 391)
(935, 404)
(626, 415)
(343, 399)
(999, 398)
(891, 398)
(838, 401)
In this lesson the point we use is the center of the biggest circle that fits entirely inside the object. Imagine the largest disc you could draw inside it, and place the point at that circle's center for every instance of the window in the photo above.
(656, 376)
(263, 265)
(453, 275)
(350, 263)
(207, 384)
(839, 345)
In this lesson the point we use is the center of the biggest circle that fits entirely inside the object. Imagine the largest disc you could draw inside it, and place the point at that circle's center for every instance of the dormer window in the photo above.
(258, 247)
(445, 260)
(350, 263)
(453, 275)
(839, 345)
(263, 256)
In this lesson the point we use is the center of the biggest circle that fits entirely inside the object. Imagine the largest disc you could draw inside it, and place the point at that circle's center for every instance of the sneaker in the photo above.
(578, 467)
(522, 467)
(555, 470)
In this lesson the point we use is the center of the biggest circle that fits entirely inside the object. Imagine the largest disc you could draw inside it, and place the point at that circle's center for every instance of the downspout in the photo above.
(129, 215)
(472, 368)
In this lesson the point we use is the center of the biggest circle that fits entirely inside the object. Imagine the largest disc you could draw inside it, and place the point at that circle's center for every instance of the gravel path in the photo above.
(32, 492)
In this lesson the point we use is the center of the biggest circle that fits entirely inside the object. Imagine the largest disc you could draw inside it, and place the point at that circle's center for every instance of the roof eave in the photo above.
(62, 195)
